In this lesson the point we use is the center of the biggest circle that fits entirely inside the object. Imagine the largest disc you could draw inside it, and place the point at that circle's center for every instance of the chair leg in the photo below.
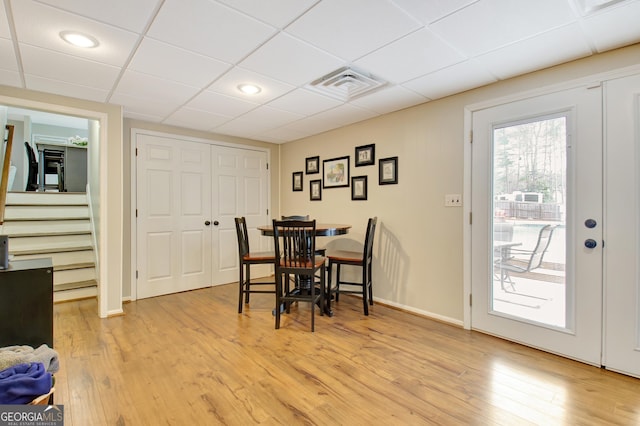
(278, 302)
(337, 282)
(248, 284)
(365, 293)
(240, 287)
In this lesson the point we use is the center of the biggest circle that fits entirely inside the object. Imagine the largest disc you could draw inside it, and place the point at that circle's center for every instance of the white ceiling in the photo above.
(179, 62)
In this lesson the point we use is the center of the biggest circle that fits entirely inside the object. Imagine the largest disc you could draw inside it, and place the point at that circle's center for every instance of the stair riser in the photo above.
(21, 213)
(50, 244)
(73, 275)
(64, 260)
(39, 198)
(38, 228)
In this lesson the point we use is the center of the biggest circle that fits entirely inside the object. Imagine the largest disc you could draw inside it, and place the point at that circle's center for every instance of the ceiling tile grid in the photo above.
(180, 62)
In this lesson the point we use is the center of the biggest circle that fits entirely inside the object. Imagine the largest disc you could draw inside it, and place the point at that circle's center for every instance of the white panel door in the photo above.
(239, 188)
(622, 185)
(538, 162)
(173, 205)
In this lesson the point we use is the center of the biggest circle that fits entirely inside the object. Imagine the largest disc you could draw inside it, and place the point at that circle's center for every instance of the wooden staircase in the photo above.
(55, 225)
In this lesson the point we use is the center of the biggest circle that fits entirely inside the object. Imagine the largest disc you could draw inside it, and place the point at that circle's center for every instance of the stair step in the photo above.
(65, 260)
(49, 244)
(45, 212)
(39, 198)
(75, 294)
(74, 285)
(34, 228)
(70, 277)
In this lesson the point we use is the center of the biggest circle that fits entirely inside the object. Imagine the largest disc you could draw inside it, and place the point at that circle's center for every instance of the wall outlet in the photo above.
(453, 200)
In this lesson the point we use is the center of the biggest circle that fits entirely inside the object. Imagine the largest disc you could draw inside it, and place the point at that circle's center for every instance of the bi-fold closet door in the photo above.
(188, 193)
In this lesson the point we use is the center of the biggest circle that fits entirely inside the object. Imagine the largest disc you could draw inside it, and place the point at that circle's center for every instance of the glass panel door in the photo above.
(536, 203)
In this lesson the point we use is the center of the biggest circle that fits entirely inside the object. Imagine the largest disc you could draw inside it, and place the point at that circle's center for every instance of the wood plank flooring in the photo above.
(191, 359)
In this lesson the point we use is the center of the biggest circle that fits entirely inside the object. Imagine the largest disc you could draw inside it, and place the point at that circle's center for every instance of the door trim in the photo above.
(134, 196)
(595, 79)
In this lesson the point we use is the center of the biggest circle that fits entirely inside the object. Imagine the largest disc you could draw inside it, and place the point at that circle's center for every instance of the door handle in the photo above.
(590, 243)
(216, 223)
(207, 223)
(590, 223)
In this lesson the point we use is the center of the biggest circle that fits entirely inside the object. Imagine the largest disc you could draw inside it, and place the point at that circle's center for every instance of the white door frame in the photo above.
(596, 79)
(134, 196)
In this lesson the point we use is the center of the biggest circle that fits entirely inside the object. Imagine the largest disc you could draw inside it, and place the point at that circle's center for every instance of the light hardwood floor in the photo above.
(191, 359)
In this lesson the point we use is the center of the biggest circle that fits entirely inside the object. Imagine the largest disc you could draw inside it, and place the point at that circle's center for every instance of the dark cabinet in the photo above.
(26, 303)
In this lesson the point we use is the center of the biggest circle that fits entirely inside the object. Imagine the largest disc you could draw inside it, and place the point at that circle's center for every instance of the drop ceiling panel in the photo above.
(195, 119)
(4, 24)
(58, 66)
(66, 89)
(414, 55)
(127, 14)
(220, 104)
(455, 79)
(490, 24)
(209, 28)
(304, 102)
(8, 62)
(40, 25)
(432, 10)
(532, 54)
(625, 18)
(10, 78)
(172, 63)
(390, 99)
(278, 13)
(286, 58)
(155, 89)
(271, 89)
(351, 29)
(142, 107)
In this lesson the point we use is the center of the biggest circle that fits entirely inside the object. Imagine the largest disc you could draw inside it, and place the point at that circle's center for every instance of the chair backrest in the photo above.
(295, 244)
(306, 217)
(368, 240)
(32, 177)
(243, 237)
(503, 231)
(544, 238)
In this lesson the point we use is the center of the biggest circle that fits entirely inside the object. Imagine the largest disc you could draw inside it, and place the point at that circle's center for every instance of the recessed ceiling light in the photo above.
(249, 89)
(78, 39)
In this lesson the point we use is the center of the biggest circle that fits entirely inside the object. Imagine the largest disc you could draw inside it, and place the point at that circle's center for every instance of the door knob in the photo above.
(216, 223)
(590, 243)
(207, 223)
(590, 223)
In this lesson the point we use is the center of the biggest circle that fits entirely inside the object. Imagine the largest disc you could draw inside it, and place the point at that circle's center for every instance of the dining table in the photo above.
(322, 230)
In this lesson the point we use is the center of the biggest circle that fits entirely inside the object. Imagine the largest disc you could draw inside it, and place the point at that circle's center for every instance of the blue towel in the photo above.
(22, 383)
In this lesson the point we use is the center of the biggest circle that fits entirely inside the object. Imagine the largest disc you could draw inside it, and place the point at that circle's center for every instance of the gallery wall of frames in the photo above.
(336, 173)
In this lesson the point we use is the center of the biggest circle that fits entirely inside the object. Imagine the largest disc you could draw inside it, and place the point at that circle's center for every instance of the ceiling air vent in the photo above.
(346, 83)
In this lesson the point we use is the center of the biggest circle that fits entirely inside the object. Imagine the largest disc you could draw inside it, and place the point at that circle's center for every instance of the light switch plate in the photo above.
(453, 200)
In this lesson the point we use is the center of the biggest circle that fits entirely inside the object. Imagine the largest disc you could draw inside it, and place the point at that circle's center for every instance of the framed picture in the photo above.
(365, 155)
(315, 190)
(297, 181)
(335, 172)
(313, 165)
(359, 188)
(388, 173)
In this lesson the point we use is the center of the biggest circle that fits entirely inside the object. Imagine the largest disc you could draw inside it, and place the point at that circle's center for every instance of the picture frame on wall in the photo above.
(359, 188)
(315, 190)
(335, 172)
(312, 165)
(365, 155)
(388, 171)
(297, 181)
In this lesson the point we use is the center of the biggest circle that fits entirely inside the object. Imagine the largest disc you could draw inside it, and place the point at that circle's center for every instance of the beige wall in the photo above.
(136, 124)
(419, 242)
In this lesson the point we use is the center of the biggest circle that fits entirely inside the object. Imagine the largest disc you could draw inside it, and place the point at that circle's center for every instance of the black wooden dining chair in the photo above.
(246, 259)
(364, 259)
(295, 242)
